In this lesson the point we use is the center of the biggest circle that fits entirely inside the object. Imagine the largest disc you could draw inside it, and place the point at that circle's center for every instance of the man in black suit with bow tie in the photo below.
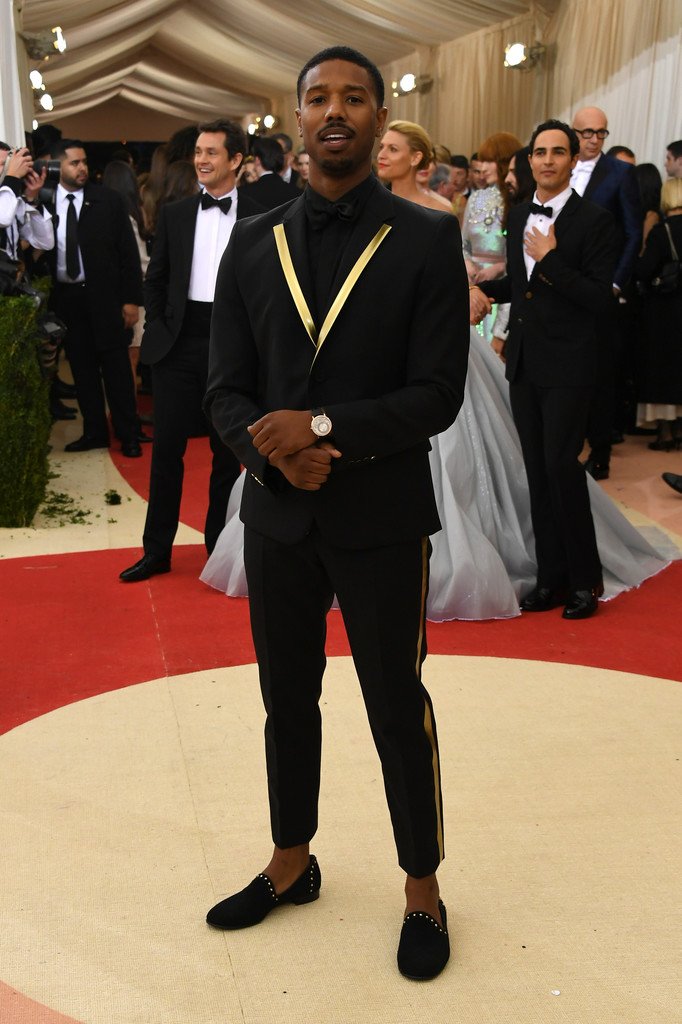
(338, 347)
(559, 277)
(191, 237)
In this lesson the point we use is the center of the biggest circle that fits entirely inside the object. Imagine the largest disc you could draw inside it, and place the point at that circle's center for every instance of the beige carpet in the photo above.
(126, 816)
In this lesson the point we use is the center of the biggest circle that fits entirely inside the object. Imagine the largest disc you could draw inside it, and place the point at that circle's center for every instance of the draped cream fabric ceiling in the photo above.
(236, 57)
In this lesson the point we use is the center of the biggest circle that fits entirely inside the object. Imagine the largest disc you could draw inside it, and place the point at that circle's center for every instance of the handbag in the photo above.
(669, 279)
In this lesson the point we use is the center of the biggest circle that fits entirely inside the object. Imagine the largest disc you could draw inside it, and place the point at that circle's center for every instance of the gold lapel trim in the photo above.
(294, 287)
(344, 290)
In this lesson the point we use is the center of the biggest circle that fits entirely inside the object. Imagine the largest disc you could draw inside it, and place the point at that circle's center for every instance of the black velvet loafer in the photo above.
(255, 902)
(424, 947)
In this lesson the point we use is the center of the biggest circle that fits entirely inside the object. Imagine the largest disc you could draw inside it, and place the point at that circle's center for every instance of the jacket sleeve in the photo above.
(129, 258)
(656, 252)
(232, 384)
(158, 271)
(631, 218)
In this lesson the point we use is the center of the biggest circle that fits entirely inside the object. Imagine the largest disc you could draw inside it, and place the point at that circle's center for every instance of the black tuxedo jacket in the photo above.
(613, 186)
(553, 315)
(271, 191)
(166, 284)
(390, 372)
(111, 263)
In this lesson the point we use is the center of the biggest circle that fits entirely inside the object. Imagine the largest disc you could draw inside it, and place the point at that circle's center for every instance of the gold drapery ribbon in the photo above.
(343, 293)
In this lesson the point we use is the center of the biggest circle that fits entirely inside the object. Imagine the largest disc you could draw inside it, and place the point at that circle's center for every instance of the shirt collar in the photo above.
(556, 203)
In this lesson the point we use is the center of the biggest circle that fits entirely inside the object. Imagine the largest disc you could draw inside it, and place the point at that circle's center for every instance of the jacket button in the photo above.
(519, 319)
(529, 295)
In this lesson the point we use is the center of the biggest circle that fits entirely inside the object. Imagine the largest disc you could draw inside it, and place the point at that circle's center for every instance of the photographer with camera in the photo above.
(22, 216)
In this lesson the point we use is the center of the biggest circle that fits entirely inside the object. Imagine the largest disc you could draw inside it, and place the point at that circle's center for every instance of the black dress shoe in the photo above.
(542, 599)
(86, 444)
(131, 449)
(63, 390)
(582, 604)
(597, 470)
(144, 438)
(255, 902)
(673, 480)
(148, 565)
(424, 947)
(59, 411)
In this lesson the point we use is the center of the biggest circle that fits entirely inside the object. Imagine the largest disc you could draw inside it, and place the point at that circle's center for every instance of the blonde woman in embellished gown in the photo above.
(483, 559)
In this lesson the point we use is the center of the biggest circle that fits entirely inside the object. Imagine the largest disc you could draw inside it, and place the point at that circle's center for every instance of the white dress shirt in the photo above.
(542, 222)
(212, 233)
(24, 222)
(581, 174)
(62, 208)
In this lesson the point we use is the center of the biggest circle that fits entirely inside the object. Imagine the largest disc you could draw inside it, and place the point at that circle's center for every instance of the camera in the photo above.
(53, 170)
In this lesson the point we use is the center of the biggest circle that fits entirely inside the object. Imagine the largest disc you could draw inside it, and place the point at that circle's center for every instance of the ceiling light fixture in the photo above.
(410, 83)
(522, 57)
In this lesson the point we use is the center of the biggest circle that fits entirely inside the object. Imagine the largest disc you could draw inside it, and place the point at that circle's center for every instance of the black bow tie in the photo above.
(545, 210)
(208, 201)
(321, 211)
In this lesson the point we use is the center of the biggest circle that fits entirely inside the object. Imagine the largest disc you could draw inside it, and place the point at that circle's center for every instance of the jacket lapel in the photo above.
(601, 170)
(294, 222)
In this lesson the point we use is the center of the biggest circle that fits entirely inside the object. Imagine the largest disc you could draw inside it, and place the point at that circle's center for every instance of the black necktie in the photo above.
(208, 201)
(73, 266)
(321, 211)
(545, 210)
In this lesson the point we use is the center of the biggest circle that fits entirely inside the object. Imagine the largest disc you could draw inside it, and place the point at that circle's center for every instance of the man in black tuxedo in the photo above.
(97, 293)
(338, 347)
(191, 237)
(559, 277)
(289, 174)
(270, 190)
(611, 184)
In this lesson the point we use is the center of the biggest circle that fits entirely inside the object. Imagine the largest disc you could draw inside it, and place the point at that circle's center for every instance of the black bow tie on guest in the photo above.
(208, 201)
(321, 211)
(536, 208)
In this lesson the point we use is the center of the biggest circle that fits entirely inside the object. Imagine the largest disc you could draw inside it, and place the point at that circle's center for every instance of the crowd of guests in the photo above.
(639, 385)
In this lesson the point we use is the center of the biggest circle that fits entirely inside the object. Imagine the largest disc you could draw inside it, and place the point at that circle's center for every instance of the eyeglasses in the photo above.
(587, 133)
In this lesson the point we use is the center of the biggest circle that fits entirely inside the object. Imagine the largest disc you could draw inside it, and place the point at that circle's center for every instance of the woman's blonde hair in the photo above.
(671, 194)
(417, 140)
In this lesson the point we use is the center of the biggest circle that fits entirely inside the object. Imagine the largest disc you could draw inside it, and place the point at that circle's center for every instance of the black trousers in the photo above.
(551, 424)
(382, 596)
(91, 368)
(179, 386)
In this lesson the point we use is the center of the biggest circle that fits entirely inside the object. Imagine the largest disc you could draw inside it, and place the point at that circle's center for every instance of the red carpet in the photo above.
(72, 629)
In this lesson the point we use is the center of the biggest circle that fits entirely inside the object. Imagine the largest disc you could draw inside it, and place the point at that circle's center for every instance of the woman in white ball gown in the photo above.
(483, 559)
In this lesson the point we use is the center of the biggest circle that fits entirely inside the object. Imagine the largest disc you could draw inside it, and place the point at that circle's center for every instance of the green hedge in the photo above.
(24, 414)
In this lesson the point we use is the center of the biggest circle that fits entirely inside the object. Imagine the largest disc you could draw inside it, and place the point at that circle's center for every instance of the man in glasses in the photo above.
(612, 184)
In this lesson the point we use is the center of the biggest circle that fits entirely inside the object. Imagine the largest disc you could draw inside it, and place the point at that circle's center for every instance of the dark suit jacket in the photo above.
(390, 373)
(166, 284)
(111, 262)
(613, 186)
(552, 317)
(271, 191)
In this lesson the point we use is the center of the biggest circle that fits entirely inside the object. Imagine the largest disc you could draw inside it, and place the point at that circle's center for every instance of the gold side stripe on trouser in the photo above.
(428, 718)
(343, 293)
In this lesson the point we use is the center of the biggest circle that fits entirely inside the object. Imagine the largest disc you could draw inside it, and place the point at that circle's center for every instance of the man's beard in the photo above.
(339, 167)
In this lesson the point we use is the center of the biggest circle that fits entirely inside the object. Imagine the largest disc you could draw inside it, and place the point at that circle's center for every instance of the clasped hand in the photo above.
(285, 439)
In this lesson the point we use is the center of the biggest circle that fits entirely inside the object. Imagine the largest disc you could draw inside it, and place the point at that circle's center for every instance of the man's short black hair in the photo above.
(615, 150)
(675, 149)
(58, 149)
(459, 160)
(269, 152)
(284, 140)
(557, 126)
(235, 139)
(346, 53)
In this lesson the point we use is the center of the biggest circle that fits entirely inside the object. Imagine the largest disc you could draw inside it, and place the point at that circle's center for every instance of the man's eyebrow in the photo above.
(346, 88)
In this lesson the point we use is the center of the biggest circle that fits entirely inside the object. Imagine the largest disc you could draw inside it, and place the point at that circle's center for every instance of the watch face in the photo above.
(321, 425)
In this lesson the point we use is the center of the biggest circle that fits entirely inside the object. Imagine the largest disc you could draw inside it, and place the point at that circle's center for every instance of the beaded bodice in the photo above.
(483, 239)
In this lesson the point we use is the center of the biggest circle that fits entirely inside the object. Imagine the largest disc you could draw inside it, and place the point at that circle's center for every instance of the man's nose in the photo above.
(334, 108)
